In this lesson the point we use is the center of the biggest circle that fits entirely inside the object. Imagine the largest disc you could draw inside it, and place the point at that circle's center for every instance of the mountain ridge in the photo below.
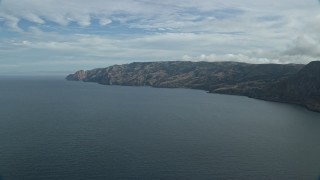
(289, 83)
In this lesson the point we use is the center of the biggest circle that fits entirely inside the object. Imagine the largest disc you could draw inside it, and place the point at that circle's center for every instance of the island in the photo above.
(287, 83)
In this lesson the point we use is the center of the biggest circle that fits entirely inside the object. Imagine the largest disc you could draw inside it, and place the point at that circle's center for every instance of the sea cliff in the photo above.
(290, 83)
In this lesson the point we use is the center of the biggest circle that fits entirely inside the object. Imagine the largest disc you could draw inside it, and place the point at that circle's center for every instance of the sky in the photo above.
(59, 36)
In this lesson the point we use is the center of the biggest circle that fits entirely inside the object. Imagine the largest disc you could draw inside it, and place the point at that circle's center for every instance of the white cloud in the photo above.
(141, 30)
(11, 22)
(104, 22)
(230, 57)
(276, 59)
(304, 45)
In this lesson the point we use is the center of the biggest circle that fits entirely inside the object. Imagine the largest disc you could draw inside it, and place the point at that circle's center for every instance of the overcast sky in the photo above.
(61, 36)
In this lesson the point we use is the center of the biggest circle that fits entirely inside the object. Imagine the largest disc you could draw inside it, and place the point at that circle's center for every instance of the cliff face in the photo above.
(301, 88)
(77, 76)
(210, 76)
(291, 83)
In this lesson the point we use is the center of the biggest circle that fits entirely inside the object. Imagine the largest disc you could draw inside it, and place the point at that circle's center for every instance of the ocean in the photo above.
(53, 129)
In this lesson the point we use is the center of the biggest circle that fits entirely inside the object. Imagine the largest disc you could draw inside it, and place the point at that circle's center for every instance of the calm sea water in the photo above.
(52, 129)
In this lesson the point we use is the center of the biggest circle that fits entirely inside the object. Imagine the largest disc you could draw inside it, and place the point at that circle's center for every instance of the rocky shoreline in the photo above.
(286, 83)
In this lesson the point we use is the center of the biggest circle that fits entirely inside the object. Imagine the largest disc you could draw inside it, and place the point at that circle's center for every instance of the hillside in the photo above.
(292, 83)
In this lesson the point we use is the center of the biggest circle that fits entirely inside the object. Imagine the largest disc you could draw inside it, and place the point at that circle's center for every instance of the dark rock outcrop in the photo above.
(301, 88)
(292, 83)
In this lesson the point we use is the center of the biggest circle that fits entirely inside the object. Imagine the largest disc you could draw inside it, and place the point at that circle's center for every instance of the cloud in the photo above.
(106, 32)
(11, 22)
(275, 59)
(166, 14)
(230, 57)
(104, 22)
(304, 45)
(64, 12)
